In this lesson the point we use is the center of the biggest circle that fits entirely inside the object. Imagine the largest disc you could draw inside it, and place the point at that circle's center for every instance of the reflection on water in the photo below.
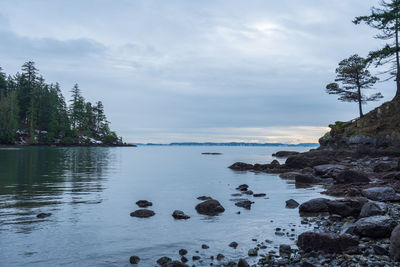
(39, 179)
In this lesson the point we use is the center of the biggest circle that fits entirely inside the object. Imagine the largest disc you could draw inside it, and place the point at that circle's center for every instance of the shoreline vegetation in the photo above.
(33, 112)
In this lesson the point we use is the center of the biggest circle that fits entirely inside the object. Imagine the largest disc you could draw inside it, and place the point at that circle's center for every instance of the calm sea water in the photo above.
(91, 191)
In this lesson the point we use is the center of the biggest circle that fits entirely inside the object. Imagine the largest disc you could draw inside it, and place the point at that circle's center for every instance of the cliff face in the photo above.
(378, 132)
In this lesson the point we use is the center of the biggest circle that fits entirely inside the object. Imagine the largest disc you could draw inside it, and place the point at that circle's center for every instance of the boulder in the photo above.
(175, 264)
(275, 163)
(374, 227)
(315, 205)
(134, 260)
(395, 244)
(143, 213)
(144, 203)
(285, 251)
(328, 168)
(163, 260)
(242, 263)
(183, 252)
(305, 179)
(244, 203)
(283, 154)
(326, 242)
(210, 207)
(351, 177)
(304, 160)
(346, 207)
(384, 167)
(371, 209)
(289, 175)
(242, 187)
(180, 215)
(241, 166)
(385, 193)
(233, 244)
(252, 252)
(292, 204)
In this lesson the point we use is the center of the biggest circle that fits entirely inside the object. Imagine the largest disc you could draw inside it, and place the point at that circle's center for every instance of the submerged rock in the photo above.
(259, 195)
(245, 203)
(43, 215)
(242, 187)
(282, 154)
(183, 252)
(144, 203)
(242, 263)
(210, 207)
(204, 198)
(134, 260)
(143, 213)
(180, 215)
(233, 244)
(241, 166)
(291, 204)
(175, 264)
(163, 260)
(326, 242)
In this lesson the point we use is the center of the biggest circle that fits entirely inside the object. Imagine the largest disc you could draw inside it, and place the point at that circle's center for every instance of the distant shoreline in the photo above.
(64, 145)
(230, 144)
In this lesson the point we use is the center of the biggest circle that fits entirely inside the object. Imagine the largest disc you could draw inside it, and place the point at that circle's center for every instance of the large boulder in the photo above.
(371, 209)
(315, 206)
(395, 244)
(352, 177)
(385, 193)
(327, 242)
(375, 226)
(305, 179)
(292, 204)
(241, 166)
(346, 207)
(143, 213)
(327, 169)
(304, 160)
(210, 207)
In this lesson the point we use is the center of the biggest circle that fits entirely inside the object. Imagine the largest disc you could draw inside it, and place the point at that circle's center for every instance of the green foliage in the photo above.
(352, 76)
(386, 19)
(40, 112)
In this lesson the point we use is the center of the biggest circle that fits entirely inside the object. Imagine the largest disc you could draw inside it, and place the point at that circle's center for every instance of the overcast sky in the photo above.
(209, 70)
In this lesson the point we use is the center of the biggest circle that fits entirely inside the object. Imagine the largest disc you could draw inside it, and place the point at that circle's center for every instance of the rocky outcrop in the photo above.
(342, 207)
(327, 242)
(375, 133)
(384, 193)
(283, 154)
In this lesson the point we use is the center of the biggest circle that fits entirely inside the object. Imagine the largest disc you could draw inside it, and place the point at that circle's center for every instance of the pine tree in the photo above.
(77, 108)
(386, 19)
(8, 118)
(354, 76)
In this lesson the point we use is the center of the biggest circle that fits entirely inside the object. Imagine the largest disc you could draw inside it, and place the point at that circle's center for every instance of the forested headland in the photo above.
(33, 111)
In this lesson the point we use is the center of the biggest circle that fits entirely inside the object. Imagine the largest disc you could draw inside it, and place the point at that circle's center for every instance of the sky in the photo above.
(210, 70)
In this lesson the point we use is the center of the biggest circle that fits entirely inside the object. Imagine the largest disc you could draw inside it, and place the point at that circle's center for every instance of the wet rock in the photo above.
(241, 166)
(143, 213)
(285, 251)
(233, 244)
(325, 169)
(304, 160)
(184, 259)
(43, 215)
(180, 215)
(204, 246)
(371, 209)
(375, 226)
(163, 260)
(326, 242)
(252, 252)
(183, 252)
(134, 259)
(220, 256)
(305, 179)
(346, 207)
(196, 258)
(352, 177)
(291, 204)
(242, 263)
(204, 198)
(211, 153)
(244, 203)
(248, 192)
(275, 163)
(259, 195)
(384, 167)
(242, 187)
(395, 244)
(144, 203)
(210, 207)
(315, 205)
(282, 154)
(380, 250)
(289, 175)
(392, 176)
(385, 193)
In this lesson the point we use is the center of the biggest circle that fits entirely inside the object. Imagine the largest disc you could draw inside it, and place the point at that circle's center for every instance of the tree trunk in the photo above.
(360, 102)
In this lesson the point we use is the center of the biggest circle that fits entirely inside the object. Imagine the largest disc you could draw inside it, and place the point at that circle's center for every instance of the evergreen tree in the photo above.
(8, 118)
(354, 77)
(77, 108)
(386, 19)
(3, 84)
